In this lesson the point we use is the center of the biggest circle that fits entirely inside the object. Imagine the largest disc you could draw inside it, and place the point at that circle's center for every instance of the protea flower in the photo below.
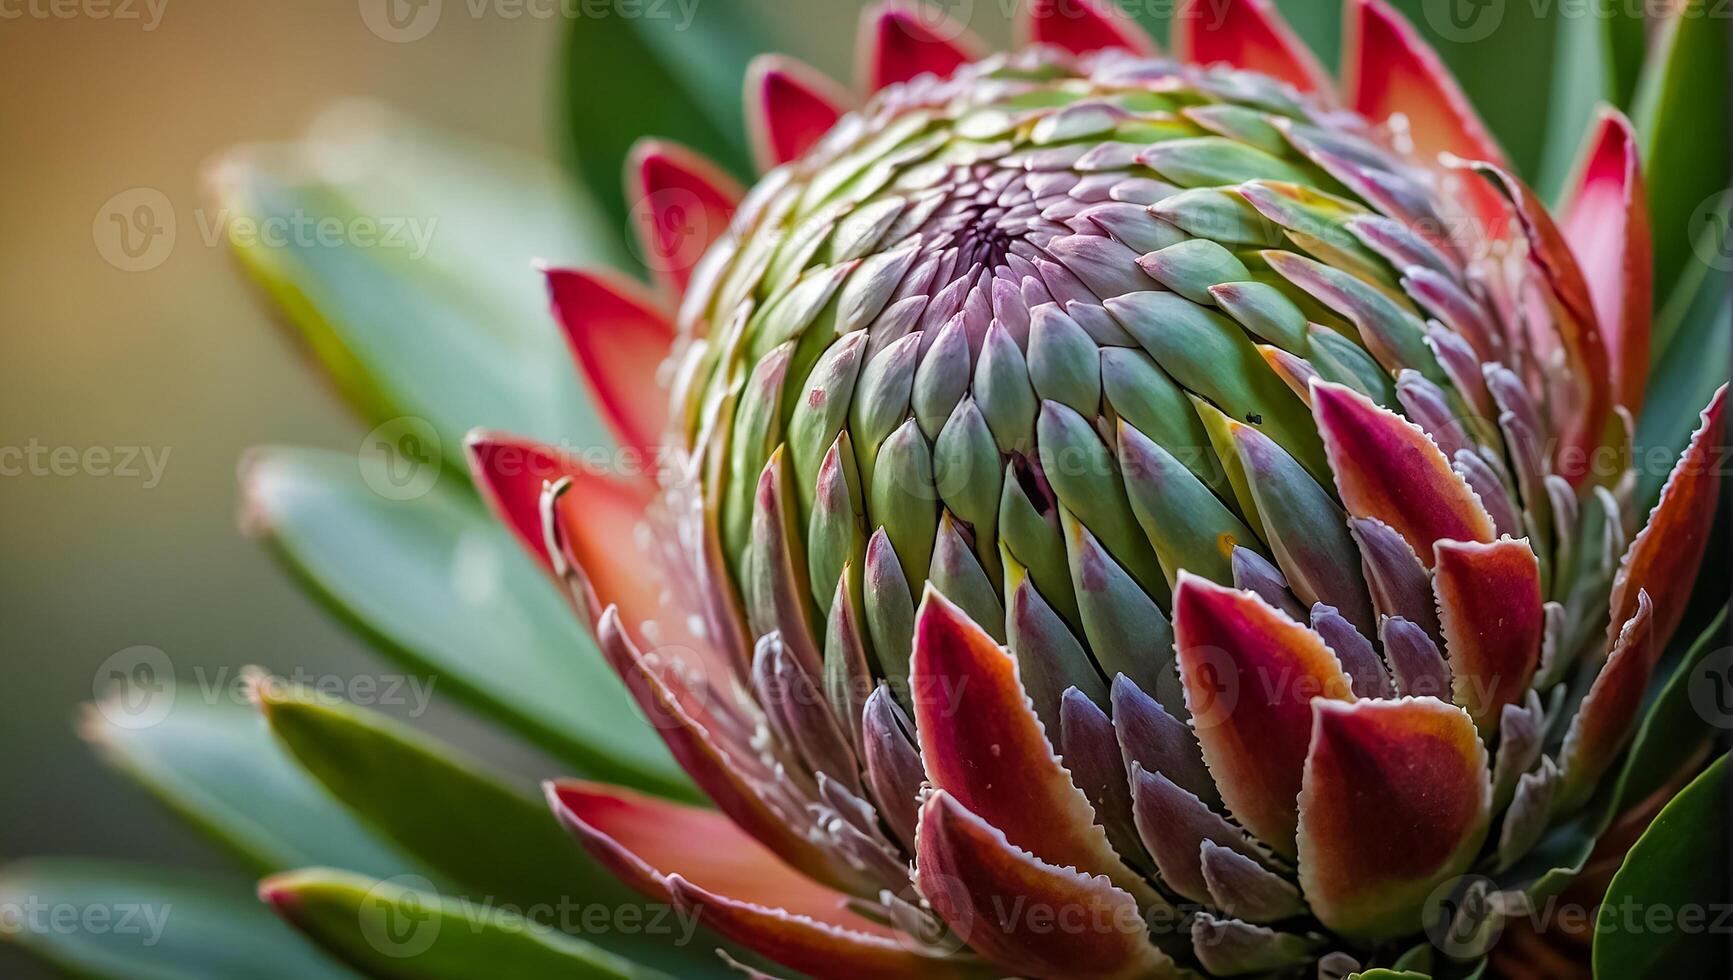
(1118, 514)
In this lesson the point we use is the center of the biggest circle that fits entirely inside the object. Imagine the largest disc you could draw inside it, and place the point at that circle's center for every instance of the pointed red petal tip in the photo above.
(511, 473)
(1367, 869)
(1248, 34)
(681, 204)
(901, 40)
(1082, 26)
(1667, 552)
(1387, 468)
(620, 337)
(970, 706)
(789, 108)
(1000, 900)
(642, 839)
(1607, 226)
(1388, 69)
(1585, 421)
(805, 944)
(1605, 720)
(1489, 608)
(1250, 675)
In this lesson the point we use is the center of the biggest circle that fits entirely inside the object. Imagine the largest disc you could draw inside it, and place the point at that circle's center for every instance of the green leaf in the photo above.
(1681, 118)
(1384, 974)
(439, 585)
(131, 922)
(1660, 916)
(686, 67)
(403, 256)
(486, 838)
(215, 764)
(1693, 340)
(1673, 728)
(1583, 77)
(395, 929)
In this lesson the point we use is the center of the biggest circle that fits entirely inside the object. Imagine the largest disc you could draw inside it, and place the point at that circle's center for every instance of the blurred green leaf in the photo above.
(676, 76)
(1681, 116)
(488, 839)
(439, 585)
(131, 922)
(1693, 342)
(391, 929)
(418, 294)
(1585, 74)
(1672, 730)
(214, 762)
(1660, 914)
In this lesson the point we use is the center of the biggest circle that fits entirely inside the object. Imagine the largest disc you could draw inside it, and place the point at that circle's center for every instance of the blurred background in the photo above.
(172, 361)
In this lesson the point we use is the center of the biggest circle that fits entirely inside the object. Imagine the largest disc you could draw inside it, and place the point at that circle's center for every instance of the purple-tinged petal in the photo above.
(1356, 654)
(1396, 800)
(1090, 750)
(1248, 34)
(1245, 889)
(983, 744)
(1229, 947)
(1489, 608)
(1395, 576)
(893, 764)
(1253, 572)
(1250, 675)
(1416, 665)
(1174, 824)
(1386, 468)
(998, 899)
(789, 107)
(1152, 738)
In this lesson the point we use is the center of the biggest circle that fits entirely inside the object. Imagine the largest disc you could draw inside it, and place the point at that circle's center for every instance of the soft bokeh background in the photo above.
(184, 360)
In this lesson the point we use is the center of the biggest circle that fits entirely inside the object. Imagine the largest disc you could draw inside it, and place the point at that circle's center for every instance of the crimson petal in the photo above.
(1489, 609)
(1667, 552)
(1250, 675)
(901, 40)
(1249, 34)
(1396, 800)
(983, 744)
(1081, 26)
(1607, 226)
(511, 472)
(681, 204)
(1003, 902)
(620, 338)
(1387, 468)
(1388, 68)
(1604, 721)
(789, 107)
